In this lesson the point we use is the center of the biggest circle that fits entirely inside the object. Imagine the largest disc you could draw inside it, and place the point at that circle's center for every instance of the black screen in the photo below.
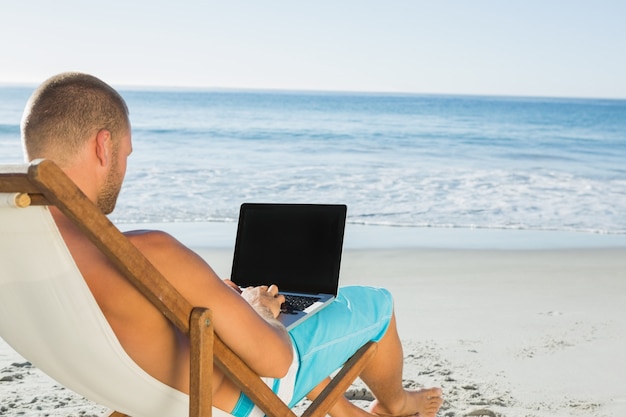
(295, 246)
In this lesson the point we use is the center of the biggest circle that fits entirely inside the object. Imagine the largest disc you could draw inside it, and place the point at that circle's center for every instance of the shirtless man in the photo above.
(82, 124)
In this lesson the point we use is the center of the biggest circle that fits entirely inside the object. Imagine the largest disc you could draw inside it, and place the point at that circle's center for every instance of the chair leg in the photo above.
(341, 382)
(201, 367)
(248, 381)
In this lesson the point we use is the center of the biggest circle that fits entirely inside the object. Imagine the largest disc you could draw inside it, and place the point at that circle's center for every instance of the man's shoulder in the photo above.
(174, 260)
(153, 241)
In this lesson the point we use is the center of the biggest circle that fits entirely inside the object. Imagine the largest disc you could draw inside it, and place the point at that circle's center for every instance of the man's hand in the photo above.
(265, 300)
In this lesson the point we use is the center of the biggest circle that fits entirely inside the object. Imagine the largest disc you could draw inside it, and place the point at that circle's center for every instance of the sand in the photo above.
(515, 333)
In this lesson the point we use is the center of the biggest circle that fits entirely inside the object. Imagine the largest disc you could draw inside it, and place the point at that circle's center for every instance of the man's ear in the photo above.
(103, 146)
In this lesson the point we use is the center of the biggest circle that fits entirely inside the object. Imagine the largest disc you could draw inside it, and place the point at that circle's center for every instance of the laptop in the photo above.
(295, 246)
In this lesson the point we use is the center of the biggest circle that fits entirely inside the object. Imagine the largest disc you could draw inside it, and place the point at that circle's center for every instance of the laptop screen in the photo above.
(295, 246)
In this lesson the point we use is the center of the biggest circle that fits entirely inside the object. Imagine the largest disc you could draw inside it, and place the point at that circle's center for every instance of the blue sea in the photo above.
(406, 163)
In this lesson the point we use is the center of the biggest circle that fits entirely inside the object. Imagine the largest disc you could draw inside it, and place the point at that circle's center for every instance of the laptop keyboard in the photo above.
(294, 303)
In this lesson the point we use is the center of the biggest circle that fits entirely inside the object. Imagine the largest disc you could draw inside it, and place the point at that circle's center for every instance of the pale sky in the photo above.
(567, 48)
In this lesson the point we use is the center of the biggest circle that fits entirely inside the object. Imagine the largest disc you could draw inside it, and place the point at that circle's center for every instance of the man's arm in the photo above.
(245, 322)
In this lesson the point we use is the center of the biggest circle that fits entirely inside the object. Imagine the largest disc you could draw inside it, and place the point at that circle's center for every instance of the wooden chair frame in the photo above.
(46, 184)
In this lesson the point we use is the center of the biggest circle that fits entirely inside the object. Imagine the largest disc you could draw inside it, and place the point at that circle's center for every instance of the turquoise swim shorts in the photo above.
(329, 338)
(325, 341)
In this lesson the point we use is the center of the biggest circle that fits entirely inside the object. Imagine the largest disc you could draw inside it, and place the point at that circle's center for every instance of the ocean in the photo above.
(412, 162)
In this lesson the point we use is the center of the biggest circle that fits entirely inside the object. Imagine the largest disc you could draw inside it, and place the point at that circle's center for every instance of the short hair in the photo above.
(65, 111)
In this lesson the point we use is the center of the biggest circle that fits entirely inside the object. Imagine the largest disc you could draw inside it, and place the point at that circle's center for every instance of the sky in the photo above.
(557, 48)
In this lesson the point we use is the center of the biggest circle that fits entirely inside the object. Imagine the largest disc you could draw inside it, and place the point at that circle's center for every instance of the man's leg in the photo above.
(329, 338)
(383, 375)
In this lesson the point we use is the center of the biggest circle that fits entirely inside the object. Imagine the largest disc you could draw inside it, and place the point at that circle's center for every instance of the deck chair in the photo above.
(49, 316)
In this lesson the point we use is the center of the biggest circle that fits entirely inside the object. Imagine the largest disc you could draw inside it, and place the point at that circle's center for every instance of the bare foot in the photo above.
(423, 403)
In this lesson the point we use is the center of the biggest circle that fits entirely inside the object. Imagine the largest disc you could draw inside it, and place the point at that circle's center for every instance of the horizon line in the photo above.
(152, 87)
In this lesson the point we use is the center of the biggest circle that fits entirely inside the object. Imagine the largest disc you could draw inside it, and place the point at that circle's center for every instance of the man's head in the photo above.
(82, 124)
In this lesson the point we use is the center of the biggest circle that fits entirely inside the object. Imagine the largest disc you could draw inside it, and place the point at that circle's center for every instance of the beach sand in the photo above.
(514, 333)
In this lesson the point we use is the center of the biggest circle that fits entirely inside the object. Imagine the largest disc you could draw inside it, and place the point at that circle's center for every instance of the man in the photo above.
(82, 124)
